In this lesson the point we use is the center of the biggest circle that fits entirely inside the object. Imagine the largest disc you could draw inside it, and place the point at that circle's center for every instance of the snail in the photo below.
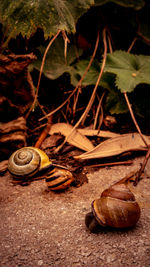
(31, 162)
(59, 179)
(116, 208)
(27, 161)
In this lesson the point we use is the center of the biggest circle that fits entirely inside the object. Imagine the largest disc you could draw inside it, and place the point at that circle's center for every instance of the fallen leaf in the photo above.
(116, 146)
(76, 138)
(101, 133)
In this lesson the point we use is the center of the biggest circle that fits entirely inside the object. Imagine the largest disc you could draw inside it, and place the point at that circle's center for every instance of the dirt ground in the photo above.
(41, 228)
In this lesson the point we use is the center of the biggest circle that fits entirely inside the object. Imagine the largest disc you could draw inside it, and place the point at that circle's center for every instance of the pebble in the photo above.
(40, 263)
(111, 258)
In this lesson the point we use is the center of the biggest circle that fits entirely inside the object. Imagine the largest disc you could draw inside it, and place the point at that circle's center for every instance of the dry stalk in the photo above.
(41, 70)
(86, 71)
(134, 120)
(98, 110)
(78, 85)
(93, 93)
(141, 170)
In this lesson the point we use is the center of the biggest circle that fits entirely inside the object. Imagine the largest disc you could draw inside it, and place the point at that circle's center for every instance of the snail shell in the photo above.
(59, 179)
(33, 162)
(27, 161)
(116, 208)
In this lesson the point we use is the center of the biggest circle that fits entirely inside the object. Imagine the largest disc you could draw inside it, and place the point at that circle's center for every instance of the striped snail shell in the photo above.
(27, 161)
(116, 208)
(59, 179)
(33, 162)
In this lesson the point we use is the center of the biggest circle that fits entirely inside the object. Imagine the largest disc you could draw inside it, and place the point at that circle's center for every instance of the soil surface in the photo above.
(41, 228)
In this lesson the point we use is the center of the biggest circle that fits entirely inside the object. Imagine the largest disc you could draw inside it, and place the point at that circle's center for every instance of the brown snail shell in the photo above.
(59, 179)
(27, 161)
(116, 208)
(31, 162)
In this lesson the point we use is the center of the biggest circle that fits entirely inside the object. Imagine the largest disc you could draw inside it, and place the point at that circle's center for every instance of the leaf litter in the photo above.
(114, 145)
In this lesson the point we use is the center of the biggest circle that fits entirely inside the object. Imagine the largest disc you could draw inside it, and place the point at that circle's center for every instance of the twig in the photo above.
(98, 110)
(78, 84)
(132, 44)
(66, 41)
(86, 71)
(129, 105)
(110, 164)
(93, 94)
(101, 118)
(134, 120)
(144, 38)
(141, 170)
(41, 70)
(43, 134)
(109, 42)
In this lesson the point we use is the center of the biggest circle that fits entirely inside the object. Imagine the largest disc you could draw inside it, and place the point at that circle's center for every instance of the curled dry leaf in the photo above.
(75, 139)
(116, 146)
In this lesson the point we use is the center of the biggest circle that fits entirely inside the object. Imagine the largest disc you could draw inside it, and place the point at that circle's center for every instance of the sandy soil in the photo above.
(41, 228)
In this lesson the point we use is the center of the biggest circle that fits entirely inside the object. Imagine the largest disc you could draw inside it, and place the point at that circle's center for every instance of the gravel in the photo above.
(43, 228)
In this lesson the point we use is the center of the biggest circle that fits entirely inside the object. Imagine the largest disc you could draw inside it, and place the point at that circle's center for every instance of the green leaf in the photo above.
(55, 63)
(138, 4)
(115, 102)
(51, 15)
(92, 75)
(130, 70)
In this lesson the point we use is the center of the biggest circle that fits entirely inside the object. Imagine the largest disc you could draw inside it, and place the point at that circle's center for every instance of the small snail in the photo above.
(116, 208)
(59, 179)
(30, 162)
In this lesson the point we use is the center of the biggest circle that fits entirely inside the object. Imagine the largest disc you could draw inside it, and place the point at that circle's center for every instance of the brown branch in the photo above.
(44, 134)
(110, 164)
(66, 41)
(41, 70)
(134, 120)
(93, 93)
(138, 174)
(78, 84)
(132, 44)
(141, 170)
(129, 105)
(86, 70)
(98, 110)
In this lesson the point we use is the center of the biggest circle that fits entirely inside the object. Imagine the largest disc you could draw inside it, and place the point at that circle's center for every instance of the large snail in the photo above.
(116, 208)
(30, 162)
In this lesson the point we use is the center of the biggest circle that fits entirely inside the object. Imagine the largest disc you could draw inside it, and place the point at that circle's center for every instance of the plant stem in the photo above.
(141, 170)
(93, 94)
(79, 83)
(134, 120)
(41, 70)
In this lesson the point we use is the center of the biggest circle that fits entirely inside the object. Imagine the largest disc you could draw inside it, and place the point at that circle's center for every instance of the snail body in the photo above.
(31, 162)
(116, 208)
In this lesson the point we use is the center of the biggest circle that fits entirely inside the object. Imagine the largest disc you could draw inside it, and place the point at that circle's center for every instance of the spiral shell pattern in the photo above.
(116, 207)
(24, 162)
(59, 179)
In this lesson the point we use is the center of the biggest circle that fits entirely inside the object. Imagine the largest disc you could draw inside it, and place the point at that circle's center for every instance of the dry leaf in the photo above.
(101, 133)
(116, 146)
(76, 138)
